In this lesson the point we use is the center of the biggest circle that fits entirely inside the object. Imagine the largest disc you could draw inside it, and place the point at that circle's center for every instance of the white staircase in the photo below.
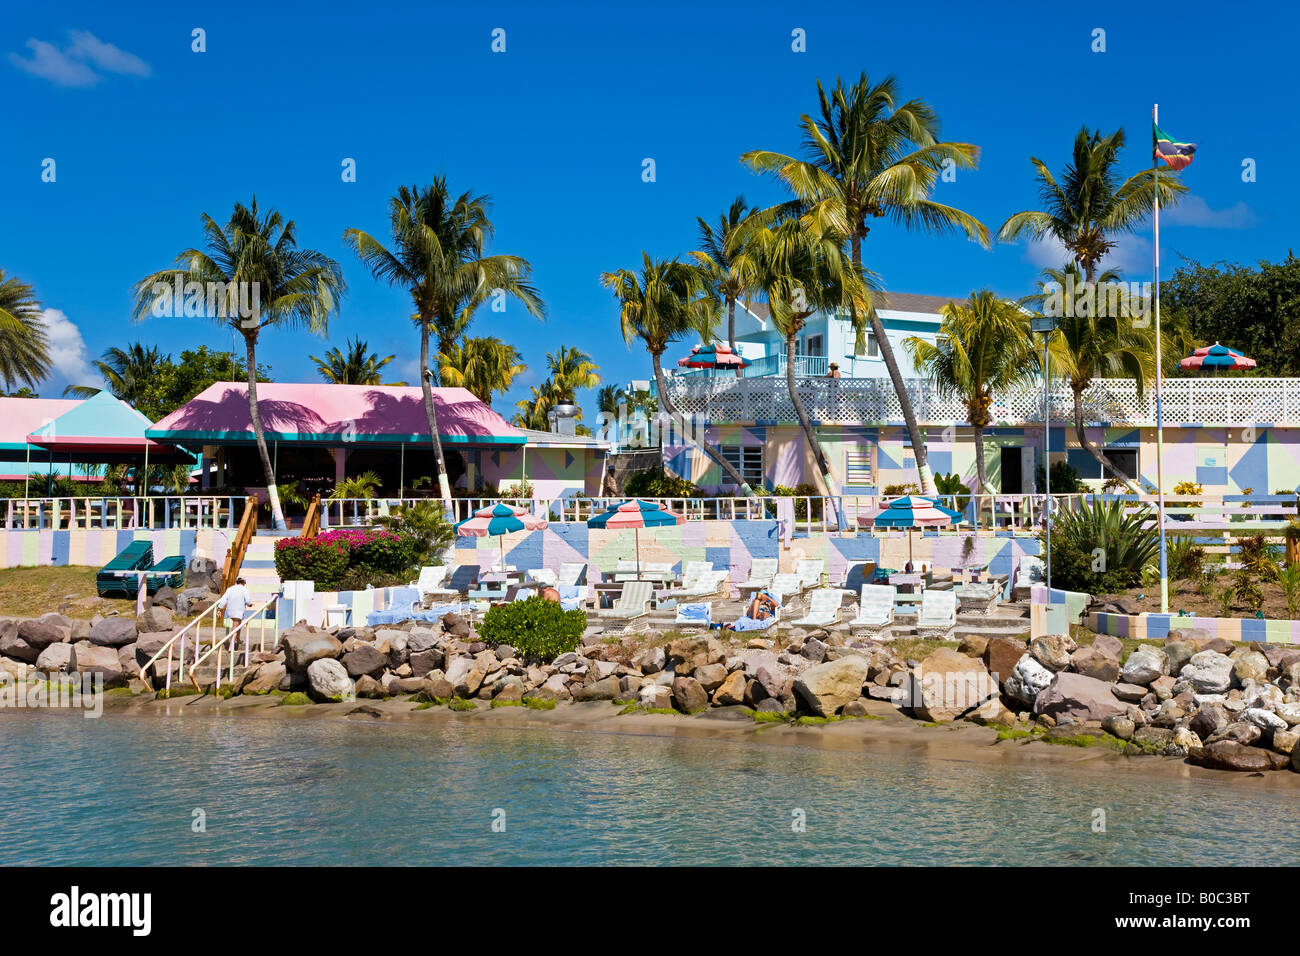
(258, 568)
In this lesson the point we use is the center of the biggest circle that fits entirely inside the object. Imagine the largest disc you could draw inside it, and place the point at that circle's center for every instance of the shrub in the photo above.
(1127, 544)
(303, 559)
(1258, 558)
(656, 483)
(377, 552)
(426, 524)
(348, 558)
(1247, 589)
(1186, 558)
(1065, 480)
(801, 491)
(1289, 580)
(1188, 488)
(536, 628)
(893, 491)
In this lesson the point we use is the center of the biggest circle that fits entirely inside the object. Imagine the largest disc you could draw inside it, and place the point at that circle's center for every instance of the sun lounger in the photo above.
(875, 609)
(694, 615)
(136, 556)
(630, 606)
(169, 572)
(938, 614)
(1029, 573)
(823, 608)
(810, 573)
(432, 584)
(571, 572)
(981, 598)
(785, 588)
(747, 623)
(542, 577)
(660, 572)
(625, 571)
(710, 583)
(761, 573)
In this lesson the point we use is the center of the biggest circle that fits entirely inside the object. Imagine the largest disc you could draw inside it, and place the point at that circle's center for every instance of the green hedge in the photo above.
(536, 628)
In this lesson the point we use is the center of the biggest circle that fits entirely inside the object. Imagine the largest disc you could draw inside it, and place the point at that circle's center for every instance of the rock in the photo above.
(94, 659)
(1218, 645)
(731, 690)
(422, 639)
(329, 680)
(1208, 720)
(828, 686)
(1265, 720)
(164, 597)
(651, 660)
(607, 688)
(303, 647)
(1118, 603)
(1178, 653)
(13, 646)
(688, 653)
(1002, 656)
(57, 658)
(710, 676)
(1290, 712)
(1209, 672)
(1163, 687)
(655, 697)
(1093, 663)
(1077, 697)
(1241, 732)
(115, 632)
(126, 659)
(1155, 738)
(366, 659)
(1118, 725)
(13, 670)
(814, 650)
(438, 688)
(1108, 646)
(992, 713)
(509, 689)
(1183, 743)
(974, 645)
(263, 679)
(186, 599)
(1248, 664)
(773, 705)
(422, 662)
(154, 619)
(1230, 755)
(689, 696)
(1143, 666)
(1128, 692)
(1284, 741)
(41, 634)
(949, 684)
(1028, 679)
(1052, 651)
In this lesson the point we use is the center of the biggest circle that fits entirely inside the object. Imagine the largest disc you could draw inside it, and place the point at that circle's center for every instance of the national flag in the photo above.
(1175, 155)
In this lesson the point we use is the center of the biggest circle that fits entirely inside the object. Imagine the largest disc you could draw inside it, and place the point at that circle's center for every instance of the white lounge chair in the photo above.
(810, 573)
(981, 598)
(823, 608)
(571, 572)
(543, 577)
(875, 609)
(708, 584)
(761, 573)
(631, 604)
(938, 614)
(625, 571)
(431, 583)
(785, 587)
(657, 572)
(693, 615)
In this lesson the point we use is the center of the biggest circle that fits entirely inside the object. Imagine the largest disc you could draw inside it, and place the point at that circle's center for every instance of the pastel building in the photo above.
(1228, 434)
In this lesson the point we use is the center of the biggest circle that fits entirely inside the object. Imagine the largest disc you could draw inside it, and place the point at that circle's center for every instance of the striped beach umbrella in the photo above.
(714, 356)
(499, 520)
(914, 511)
(1216, 357)
(635, 514)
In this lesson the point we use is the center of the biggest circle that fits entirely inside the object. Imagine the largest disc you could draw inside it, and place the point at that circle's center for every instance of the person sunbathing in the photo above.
(760, 613)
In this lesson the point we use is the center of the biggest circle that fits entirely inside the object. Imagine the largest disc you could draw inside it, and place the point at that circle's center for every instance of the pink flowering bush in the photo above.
(356, 556)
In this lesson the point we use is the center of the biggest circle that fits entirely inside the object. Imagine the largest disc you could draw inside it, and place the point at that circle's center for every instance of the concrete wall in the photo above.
(96, 547)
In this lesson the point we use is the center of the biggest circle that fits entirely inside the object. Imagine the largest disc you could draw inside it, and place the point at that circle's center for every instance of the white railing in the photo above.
(245, 629)
(155, 513)
(1187, 401)
(185, 647)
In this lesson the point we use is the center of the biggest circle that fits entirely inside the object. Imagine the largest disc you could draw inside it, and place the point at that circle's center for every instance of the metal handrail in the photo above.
(181, 636)
(217, 646)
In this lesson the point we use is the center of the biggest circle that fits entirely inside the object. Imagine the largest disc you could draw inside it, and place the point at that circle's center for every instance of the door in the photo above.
(1012, 473)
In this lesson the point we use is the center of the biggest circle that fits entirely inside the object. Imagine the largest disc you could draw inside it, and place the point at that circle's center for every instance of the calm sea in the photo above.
(127, 790)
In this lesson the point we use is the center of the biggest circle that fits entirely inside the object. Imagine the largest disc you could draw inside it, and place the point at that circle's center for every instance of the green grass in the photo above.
(635, 708)
(426, 704)
(31, 592)
(505, 703)
(539, 703)
(296, 699)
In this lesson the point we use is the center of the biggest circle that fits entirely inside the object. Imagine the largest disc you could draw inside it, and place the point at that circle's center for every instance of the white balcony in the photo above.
(1219, 402)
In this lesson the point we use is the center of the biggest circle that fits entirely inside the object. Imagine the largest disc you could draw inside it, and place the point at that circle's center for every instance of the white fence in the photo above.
(154, 513)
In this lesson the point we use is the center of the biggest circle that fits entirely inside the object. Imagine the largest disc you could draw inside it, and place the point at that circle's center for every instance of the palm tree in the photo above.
(482, 365)
(664, 302)
(871, 157)
(531, 412)
(254, 258)
(716, 259)
(983, 347)
(571, 369)
(1090, 204)
(437, 254)
(24, 342)
(358, 366)
(801, 269)
(1087, 345)
(129, 373)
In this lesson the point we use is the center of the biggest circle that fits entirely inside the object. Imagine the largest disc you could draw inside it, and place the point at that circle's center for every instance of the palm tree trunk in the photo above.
(714, 455)
(896, 377)
(431, 413)
(1089, 447)
(277, 514)
(731, 324)
(801, 413)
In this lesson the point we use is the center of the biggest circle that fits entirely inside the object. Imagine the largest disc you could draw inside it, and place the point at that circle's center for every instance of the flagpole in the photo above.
(1160, 437)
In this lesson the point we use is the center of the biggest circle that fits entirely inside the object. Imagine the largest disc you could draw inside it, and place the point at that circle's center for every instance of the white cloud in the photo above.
(1131, 255)
(68, 356)
(1195, 211)
(73, 65)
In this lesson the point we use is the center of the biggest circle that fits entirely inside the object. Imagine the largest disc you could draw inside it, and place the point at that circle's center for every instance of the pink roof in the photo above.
(335, 413)
(19, 417)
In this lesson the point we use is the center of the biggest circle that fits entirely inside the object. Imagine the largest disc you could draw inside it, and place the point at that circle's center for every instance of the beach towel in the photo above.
(694, 612)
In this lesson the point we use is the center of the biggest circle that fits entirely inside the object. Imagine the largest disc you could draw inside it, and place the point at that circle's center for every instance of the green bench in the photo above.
(113, 579)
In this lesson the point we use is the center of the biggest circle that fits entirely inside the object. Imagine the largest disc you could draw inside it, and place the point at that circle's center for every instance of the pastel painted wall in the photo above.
(95, 547)
(553, 472)
(1160, 626)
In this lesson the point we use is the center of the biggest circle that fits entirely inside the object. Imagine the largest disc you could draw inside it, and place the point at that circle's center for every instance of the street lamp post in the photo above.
(1046, 324)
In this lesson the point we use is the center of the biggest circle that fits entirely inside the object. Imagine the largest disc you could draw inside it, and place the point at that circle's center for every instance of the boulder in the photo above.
(1052, 651)
(1284, 741)
(94, 659)
(1230, 755)
(1209, 672)
(1002, 656)
(688, 653)
(13, 646)
(262, 679)
(828, 686)
(689, 696)
(1249, 664)
(1132, 693)
(606, 688)
(422, 639)
(1116, 603)
(1265, 720)
(365, 659)
(154, 619)
(814, 650)
(116, 632)
(655, 697)
(731, 690)
(1093, 663)
(1240, 732)
(1078, 697)
(650, 661)
(41, 634)
(1027, 680)
(1118, 725)
(304, 646)
(710, 676)
(422, 662)
(1208, 720)
(1178, 652)
(1108, 646)
(56, 658)
(164, 597)
(329, 680)
(974, 645)
(1144, 665)
(949, 684)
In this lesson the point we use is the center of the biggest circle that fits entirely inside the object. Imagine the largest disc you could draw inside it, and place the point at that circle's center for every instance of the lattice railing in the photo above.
(1202, 401)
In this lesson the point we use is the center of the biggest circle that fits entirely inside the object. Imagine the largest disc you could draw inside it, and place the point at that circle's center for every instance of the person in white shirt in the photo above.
(236, 603)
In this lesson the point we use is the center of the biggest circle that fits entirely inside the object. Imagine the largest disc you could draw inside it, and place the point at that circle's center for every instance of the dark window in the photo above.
(1125, 461)
(747, 459)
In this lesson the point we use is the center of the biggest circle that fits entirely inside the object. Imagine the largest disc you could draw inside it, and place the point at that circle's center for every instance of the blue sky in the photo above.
(147, 135)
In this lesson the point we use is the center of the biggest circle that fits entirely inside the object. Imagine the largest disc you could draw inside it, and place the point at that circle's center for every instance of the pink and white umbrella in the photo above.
(499, 519)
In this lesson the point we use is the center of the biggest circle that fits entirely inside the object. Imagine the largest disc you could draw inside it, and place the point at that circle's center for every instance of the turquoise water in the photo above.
(122, 790)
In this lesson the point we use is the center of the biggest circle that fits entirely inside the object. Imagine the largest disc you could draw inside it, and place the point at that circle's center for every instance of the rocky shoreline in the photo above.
(1204, 702)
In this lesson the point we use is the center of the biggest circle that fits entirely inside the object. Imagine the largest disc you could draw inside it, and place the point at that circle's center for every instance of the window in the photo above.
(747, 459)
(857, 466)
(871, 347)
(1125, 461)
(812, 345)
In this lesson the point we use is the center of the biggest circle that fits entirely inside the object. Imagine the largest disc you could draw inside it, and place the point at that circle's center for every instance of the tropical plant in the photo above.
(363, 485)
(24, 340)
(953, 489)
(255, 257)
(805, 495)
(657, 483)
(1188, 488)
(538, 629)
(1065, 480)
(1184, 558)
(720, 246)
(437, 254)
(983, 347)
(358, 366)
(131, 374)
(1258, 559)
(872, 156)
(425, 524)
(801, 269)
(1289, 580)
(518, 490)
(483, 365)
(570, 369)
(663, 302)
(1090, 205)
(897, 490)
(1100, 549)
